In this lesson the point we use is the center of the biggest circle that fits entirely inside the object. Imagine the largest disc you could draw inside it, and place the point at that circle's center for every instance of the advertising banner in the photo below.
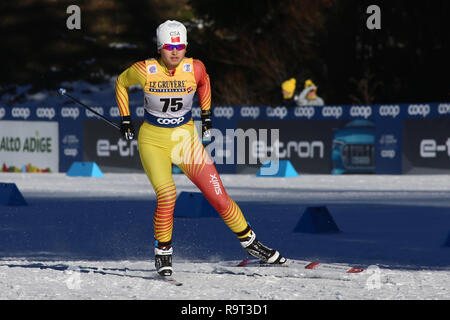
(338, 139)
(313, 146)
(29, 146)
(105, 145)
(426, 147)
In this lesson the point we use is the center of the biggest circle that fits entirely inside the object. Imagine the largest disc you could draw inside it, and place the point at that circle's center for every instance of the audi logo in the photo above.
(170, 120)
(2, 112)
(223, 112)
(20, 113)
(277, 112)
(389, 110)
(73, 113)
(361, 111)
(335, 112)
(48, 113)
(250, 112)
(419, 110)
(306, 112)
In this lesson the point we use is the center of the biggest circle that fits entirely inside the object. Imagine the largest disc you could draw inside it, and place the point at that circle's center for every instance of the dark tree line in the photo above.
(249, 47)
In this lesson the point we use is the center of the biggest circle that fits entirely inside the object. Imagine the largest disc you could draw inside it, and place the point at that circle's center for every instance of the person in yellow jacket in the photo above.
(307, 97)
(168, 136)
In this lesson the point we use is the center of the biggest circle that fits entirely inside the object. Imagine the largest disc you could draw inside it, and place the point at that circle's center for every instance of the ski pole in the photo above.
(62, 92)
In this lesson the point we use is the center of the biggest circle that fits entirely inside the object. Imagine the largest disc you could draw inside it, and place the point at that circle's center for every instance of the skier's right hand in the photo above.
(206, 123)
(126, 128)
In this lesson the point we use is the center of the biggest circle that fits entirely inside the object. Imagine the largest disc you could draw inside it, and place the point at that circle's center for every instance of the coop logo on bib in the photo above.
(168, 121)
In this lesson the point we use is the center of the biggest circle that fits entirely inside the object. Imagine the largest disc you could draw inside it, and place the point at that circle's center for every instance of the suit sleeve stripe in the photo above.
(122, 99)
(140, 68)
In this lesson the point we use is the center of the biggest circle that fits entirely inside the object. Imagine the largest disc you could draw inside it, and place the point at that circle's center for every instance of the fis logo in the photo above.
(152, 68)
(187, 67)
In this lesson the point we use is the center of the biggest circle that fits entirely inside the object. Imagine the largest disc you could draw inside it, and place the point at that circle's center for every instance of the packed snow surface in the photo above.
(91, 238)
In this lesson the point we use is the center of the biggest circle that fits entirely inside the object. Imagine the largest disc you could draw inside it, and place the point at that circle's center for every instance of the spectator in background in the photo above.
(309, 97)
(288, 90)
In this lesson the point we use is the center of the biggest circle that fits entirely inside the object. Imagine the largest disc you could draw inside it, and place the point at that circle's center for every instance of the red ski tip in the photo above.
(355, 270)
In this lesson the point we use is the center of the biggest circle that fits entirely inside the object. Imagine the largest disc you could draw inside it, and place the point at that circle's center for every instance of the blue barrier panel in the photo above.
(10, 195)
(194, 205)
(277, 168)
(447, 242)
(84, 169)
(316, 220)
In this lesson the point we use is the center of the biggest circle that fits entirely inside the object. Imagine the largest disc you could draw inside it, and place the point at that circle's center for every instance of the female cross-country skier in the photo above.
(168, 135)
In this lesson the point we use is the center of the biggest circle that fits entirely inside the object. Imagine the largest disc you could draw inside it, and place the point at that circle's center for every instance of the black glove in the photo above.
(126, 128)
(206, 123)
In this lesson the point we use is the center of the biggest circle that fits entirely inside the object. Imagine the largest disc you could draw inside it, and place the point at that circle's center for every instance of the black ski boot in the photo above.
(163, 261)
(256, 249)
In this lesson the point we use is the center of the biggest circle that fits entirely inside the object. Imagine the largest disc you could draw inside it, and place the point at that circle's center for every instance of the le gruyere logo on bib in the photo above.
(167, 86)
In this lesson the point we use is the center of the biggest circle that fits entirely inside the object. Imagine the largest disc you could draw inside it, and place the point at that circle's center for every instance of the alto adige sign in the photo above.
(24, 143)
